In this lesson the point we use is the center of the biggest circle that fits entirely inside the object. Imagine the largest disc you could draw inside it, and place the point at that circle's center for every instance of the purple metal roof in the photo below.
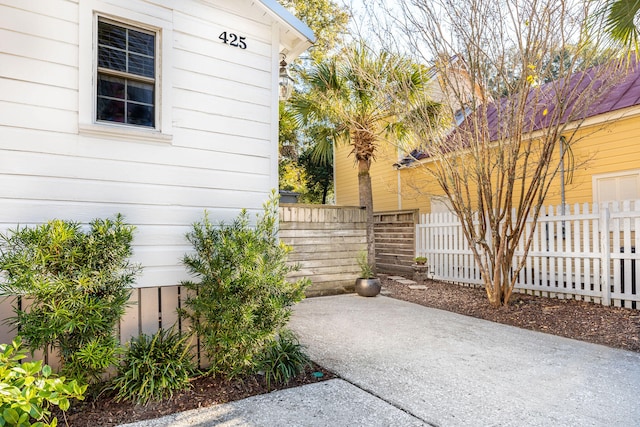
(616, 87)
(598, 90)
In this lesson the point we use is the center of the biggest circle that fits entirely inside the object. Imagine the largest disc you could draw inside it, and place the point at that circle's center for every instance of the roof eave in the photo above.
(303, 33)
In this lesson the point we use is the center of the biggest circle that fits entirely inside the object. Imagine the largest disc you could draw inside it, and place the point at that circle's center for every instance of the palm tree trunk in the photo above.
(366, 200)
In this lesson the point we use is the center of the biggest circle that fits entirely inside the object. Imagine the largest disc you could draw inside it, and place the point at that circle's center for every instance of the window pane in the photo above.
(141, 43)
(110, 86)
(141, 65)
(111, 35)
(140, 92)
(110, 110)
(140, 114)
(629, 187)
(112, 59)
(122, 97)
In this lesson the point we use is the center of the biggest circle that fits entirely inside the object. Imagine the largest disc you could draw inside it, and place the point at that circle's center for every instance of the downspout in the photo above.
(399, 156)
(399, 190)
(562, 194)
(562, 190)
(335, 181)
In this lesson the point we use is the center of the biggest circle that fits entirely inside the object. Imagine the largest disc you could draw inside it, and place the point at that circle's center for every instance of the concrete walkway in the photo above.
(407, 365)
(451, 370)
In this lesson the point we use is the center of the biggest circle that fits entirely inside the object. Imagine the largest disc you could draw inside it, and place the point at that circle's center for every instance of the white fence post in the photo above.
(605, 250)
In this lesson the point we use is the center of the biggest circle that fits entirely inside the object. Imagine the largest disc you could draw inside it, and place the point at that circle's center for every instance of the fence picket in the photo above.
(576, 280)
(149, 310)
(615, 254)
(578, 251)
(570, 237)
(636, 277)
(168, 306)
(130, 321)
(7, 331)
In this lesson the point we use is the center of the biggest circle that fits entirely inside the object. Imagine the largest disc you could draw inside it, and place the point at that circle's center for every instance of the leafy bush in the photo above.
(242, 298)
(283, 359)
(78, 284)
(154, 367)
(28, 390)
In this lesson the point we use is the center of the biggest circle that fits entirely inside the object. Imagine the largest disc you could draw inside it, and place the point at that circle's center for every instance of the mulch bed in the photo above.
(585, 321)
(205, 391)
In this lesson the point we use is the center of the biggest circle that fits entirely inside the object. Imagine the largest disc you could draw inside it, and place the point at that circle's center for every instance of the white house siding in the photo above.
(217, 155)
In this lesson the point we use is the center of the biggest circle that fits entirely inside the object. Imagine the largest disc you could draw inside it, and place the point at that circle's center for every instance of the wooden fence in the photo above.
(149, 310)
(326, 241)
(395, 240)
(587, 253)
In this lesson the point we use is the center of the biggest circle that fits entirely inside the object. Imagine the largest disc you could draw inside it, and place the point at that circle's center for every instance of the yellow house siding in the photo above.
(346, 177)
(384, 178)
(603, 148)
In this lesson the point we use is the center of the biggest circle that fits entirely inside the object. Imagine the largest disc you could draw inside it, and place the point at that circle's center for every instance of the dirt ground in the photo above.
(614, 327)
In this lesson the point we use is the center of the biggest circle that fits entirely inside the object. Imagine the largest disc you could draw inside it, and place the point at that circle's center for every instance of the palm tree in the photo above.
(618, 18)
(361, 98)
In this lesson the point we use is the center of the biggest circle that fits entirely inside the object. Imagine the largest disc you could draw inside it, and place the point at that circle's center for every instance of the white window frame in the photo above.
(441, 204)
(597, 197)
(90, 11)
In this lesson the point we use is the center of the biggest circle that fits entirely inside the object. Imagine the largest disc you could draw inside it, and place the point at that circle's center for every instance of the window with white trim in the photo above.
(616, 187)
(440, 204)
(126, 75)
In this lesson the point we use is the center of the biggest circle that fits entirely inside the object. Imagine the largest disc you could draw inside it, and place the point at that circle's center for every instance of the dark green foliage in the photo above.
(283, 359)
(154, 367)
(242, 298)
(77, 283)
(319, 176)
(28, 390)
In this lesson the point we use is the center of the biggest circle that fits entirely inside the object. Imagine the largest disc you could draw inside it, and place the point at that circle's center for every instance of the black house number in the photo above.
(233, 40)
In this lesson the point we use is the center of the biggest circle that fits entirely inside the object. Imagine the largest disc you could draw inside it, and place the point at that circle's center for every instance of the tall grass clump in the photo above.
(154, 367)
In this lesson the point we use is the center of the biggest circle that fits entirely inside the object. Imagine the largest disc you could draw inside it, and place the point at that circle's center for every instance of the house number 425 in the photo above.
(233, 40)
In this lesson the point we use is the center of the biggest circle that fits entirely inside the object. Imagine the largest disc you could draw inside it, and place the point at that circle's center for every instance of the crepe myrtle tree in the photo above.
(522, 73)
(362, 98)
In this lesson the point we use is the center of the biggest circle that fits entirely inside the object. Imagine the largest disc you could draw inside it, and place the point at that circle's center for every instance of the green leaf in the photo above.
(64, 404)
(36, 412)
(46, 370)
(23, 418)
(10, 415)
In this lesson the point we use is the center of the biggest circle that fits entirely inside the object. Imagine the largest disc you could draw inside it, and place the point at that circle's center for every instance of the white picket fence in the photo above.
(586, 252)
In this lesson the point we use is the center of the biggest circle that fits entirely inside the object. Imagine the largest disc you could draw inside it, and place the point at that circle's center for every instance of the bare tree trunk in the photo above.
(366, 200)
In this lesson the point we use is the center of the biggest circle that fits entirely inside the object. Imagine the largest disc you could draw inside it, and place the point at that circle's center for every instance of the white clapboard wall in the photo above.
(217, 152)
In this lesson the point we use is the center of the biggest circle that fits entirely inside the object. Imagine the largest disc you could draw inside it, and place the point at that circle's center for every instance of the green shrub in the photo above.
(283, 359)
(242, 298)
(28, 390)
(366, 272)
(78, 284)
(154, 367)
